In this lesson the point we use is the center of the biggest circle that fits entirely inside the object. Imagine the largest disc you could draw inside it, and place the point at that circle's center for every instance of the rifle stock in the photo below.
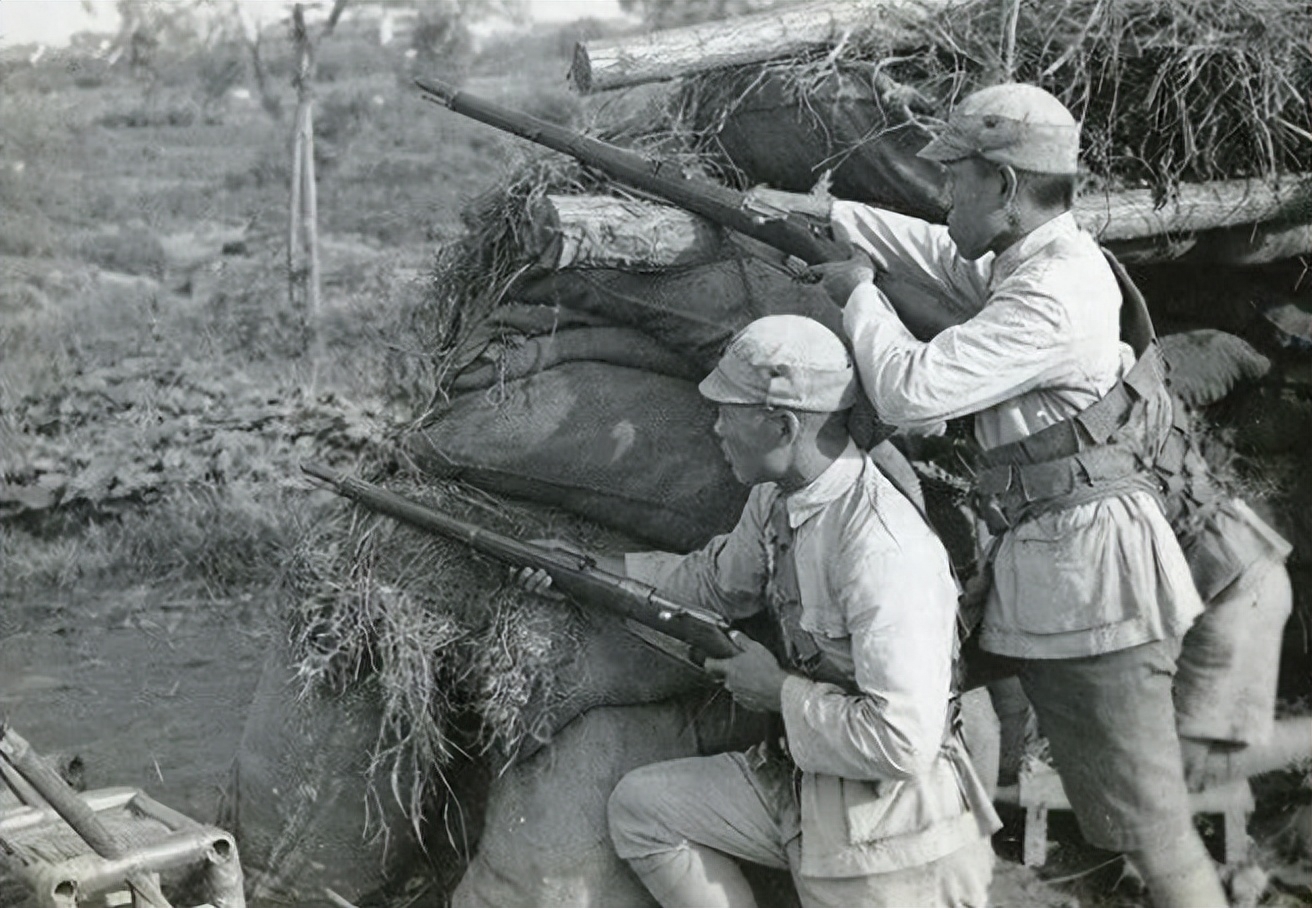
(789, 232)
(575, 575)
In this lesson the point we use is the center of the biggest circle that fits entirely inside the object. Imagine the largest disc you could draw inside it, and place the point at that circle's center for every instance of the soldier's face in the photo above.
(978, 214)
(753, 443)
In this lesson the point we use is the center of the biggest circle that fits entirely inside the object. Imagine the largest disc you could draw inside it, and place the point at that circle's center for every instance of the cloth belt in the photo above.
(1072, 461)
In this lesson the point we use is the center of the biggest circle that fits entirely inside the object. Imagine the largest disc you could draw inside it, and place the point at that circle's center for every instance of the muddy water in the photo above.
(147, 690)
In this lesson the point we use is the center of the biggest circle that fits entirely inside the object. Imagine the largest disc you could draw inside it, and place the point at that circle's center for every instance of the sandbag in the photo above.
(514, 359)
(631, 450)
(693, 310)
(515, 320)
(532, 320)
(545, 841)
(785, 128)
(298, 796)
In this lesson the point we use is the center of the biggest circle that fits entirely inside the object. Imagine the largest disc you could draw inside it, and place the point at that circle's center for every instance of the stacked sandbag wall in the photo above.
(588, 399)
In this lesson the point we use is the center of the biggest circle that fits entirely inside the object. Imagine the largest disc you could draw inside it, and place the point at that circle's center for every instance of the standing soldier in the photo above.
(1090, 592)
(867, 796)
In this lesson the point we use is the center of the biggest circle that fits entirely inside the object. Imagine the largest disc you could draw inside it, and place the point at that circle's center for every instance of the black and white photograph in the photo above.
(655, 453)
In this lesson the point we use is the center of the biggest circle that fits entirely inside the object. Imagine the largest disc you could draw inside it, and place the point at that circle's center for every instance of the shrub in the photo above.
(132, 250)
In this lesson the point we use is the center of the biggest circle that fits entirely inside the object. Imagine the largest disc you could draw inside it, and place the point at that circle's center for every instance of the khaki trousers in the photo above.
(675, 822)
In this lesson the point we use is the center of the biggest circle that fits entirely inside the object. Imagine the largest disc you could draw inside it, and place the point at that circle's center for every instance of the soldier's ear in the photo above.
(788, 425)
(1010, 185)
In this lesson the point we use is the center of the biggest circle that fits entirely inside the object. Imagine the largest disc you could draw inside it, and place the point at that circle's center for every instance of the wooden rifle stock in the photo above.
(575, 575)
(792, 233)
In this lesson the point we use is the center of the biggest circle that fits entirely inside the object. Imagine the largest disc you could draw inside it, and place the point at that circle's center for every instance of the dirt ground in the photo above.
(138, 688)
(130, 687)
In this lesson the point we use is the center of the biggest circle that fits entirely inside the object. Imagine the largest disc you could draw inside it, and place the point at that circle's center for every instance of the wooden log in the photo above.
(1290, 742)
(1235, 222)
(1232, 222)
(1252, 244)
(1130, 214)
(589, 231)
(675, 52)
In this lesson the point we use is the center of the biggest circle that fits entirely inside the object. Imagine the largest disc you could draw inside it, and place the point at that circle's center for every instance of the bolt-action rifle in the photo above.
(576, 575)
(788, 231)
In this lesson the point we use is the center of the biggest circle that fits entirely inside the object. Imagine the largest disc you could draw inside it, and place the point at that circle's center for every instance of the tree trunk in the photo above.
(579, 231)
(1236, 222)
(676, 52)
(303, 222)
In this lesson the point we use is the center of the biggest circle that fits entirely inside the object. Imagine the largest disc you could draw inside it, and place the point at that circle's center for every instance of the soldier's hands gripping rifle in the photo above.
(578, 576)
(788, 231)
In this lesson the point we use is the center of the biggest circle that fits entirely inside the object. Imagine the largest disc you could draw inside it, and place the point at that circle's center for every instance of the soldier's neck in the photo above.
(811, 461)
(1023, 222)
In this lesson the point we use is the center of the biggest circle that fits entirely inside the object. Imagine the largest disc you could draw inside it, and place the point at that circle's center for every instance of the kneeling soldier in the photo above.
(868, 797)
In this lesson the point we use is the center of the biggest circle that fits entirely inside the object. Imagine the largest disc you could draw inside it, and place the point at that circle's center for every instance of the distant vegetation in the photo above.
(155, 396)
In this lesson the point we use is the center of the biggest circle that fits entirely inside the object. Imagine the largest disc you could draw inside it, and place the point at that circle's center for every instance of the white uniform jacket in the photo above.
(1037, 343)
(883, 785)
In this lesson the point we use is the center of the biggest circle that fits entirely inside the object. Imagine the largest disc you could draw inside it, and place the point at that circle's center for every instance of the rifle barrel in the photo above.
(576, 575)
(662, 178)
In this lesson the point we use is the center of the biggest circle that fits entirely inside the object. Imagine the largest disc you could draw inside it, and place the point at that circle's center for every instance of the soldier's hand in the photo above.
(753, 676)
(534, 580)
(537, 580)
(840, 278)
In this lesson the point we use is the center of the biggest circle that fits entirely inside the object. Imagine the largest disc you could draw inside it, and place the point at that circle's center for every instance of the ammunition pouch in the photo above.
(1106, 449)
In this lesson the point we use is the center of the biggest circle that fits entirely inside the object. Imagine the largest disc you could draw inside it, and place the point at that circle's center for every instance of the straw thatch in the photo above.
(464, 659)
(472, 276)
(1170, 91)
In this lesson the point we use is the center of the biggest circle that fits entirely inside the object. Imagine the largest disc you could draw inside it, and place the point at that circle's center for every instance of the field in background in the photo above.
(156, 396)
(150, 353)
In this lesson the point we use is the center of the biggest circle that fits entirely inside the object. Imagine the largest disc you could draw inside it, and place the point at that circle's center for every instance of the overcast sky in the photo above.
(53, 21)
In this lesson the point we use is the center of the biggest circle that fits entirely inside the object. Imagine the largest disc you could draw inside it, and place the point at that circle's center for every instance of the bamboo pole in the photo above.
(675, 52)
(303, 81)
(74, 811)
(303, 227)
(294, 249)
(310, 228)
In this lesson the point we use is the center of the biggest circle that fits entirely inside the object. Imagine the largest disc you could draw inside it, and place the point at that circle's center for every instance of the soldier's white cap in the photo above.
(1016, 124)
(784, 361)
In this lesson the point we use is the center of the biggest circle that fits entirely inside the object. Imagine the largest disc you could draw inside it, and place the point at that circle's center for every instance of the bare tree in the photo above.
(252, 37)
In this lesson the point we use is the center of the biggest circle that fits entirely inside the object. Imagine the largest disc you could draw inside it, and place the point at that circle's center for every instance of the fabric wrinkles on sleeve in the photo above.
(913, 250)
(902, 638)
(1013, 345)
(728, 574)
